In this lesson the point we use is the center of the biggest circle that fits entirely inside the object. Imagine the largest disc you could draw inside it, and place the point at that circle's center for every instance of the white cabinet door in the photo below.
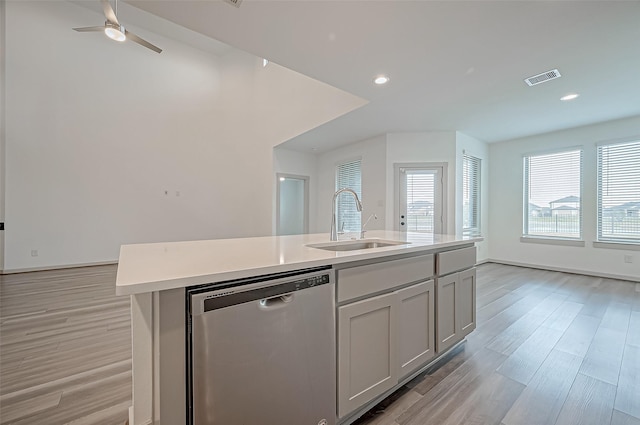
(416, 331)
(467, 301)
(448, 327)
(367, 359)
(455, 308)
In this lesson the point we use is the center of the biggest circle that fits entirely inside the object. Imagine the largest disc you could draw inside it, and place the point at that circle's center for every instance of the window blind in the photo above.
(421, 202)
(348, 176)
(552, 190)
(619, 192)
(470, 195)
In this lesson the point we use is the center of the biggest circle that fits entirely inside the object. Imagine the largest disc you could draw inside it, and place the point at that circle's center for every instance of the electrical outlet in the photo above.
(628, 258)
(34, 252)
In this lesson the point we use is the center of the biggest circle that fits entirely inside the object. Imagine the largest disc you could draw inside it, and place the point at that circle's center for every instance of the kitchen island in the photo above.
(416, 266)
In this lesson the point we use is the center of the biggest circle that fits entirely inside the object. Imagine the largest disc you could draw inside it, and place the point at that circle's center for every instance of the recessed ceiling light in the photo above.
(570, 96)
(381, 79)
(265, 62)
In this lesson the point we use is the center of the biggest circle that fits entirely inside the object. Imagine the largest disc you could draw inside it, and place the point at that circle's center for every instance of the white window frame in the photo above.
(549, 238)
(632, 164)
(472, 164)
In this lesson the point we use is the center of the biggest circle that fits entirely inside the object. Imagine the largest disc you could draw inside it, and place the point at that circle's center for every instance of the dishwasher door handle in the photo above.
(277, 301)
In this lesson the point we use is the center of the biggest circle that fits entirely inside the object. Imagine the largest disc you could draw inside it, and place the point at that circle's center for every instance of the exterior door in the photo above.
(421, 198)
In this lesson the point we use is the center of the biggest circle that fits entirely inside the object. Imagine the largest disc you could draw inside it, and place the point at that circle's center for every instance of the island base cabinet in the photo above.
(455, 308)
(467, 305)
(416, 327)
(448, 328)
(367, 364)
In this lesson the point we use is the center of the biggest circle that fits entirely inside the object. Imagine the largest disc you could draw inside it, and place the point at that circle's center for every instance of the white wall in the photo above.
(109, 143)
(287, 161)
(379, 155)
(422, 147)
(2, 126)
(505, 210)
(478, 149)
(372, 152)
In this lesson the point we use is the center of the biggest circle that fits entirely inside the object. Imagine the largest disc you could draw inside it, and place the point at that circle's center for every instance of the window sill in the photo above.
(552, 241)
(617, 245)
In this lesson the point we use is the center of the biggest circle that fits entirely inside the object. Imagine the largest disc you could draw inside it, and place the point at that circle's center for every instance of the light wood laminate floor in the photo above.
(550, 348)
(65, 348)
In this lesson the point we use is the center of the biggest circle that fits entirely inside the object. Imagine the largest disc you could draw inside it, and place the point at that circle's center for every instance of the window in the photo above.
(348, 176)
(552, 189)
(619, 192)
(470, 195)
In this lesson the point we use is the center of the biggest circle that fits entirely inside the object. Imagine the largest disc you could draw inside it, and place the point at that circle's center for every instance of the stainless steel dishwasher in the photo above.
(262, 351)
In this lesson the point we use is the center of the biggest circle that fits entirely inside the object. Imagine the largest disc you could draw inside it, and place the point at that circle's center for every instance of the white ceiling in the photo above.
(454, 65)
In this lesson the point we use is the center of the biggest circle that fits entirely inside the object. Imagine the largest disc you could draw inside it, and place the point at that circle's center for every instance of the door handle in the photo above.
(276, 301)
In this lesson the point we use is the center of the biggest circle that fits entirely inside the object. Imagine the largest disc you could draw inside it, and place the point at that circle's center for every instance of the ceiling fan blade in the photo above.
(108, 12)
(131, 36)
(87, 29)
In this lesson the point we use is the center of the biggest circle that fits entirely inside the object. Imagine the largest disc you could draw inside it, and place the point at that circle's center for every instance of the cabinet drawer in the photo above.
(363, 280)
(453, 261)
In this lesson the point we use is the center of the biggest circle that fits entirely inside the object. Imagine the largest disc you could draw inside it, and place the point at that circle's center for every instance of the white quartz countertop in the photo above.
(161, 266)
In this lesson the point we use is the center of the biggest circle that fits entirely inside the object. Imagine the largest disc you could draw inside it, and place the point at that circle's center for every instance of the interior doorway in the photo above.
(292, 204)
(421, 202)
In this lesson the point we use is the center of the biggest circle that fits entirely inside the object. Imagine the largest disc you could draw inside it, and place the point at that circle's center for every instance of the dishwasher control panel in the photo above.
(232, 293)
(312, 281)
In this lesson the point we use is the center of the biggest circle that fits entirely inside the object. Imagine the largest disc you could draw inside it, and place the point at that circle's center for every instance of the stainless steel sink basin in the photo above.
(356, 245)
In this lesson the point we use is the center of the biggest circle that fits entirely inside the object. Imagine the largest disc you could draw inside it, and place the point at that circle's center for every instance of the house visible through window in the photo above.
(552, 189)
(619, 192)
(349, 176)
(470, 195)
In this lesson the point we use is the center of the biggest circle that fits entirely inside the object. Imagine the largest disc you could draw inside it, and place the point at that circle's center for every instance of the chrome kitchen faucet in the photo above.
(334, 233)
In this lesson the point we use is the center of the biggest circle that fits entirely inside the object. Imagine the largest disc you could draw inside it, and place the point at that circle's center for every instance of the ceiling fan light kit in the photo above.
(114, 30)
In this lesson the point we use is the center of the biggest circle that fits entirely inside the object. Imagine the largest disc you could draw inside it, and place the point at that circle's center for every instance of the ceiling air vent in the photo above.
(543, 78)
(235, 3)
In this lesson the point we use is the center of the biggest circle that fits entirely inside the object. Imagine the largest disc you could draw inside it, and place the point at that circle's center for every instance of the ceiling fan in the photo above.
(114, 30)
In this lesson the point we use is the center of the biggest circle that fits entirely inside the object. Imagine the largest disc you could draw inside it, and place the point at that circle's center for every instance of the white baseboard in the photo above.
(563, 269)
(46, 268)
(131, 420)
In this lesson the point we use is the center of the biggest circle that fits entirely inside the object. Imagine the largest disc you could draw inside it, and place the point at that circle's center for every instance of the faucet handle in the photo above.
(372, 216)
(362, 231)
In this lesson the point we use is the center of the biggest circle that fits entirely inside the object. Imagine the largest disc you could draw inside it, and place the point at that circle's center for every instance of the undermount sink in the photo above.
(353, 245)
